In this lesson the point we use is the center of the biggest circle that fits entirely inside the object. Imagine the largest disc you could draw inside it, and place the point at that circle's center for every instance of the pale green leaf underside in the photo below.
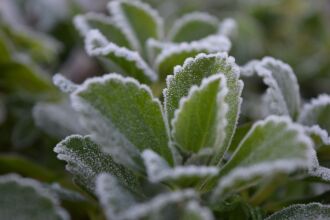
(106, 25)
(118, 59)
(27, 199)
(274, 145)
(282, 96)
(134, 16)
(303, 212)
(128, 108)
(317, 112)
(192, 73)
(113, 196)
(193, 26)
(85, 161)
(200, 120)
(158, 170)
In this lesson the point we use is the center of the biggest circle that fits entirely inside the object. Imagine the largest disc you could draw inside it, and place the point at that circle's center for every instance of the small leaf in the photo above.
(302, 212)
(274, 145)
(175, 55)
(193, 26)
(134, 16)
(106, 25)
(200, 120)
(23, 198)
(158, 170)
(282, 96)
(320, 136)
(113, 196)
(192, 73)
(128, 113)
(121, 59)
(86, 161)
(317, 112)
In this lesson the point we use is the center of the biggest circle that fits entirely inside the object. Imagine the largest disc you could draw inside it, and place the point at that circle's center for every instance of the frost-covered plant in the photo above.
(183, 155)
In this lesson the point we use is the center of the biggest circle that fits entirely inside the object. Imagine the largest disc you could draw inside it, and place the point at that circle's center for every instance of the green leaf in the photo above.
(303, 212)
(23, 198)
(128, 113)
(317, 112)
(192, 73)
(86, 161)
(274, 145)
(106, 25)
(176, 54)
(200, 120)
(283, 96)
(134, 16)
(193, 26)
(158, 170)
(118, 59)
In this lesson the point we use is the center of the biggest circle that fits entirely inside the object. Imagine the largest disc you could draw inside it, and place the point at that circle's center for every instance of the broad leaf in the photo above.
(106, 25)
(134, 16)
(274, 145)
(23, 198)
(317, 112)
(193, 26)
(282, 96)
(192, 73)
(128, 113)
(303, 212)
(86, 161)
(175, 55)
(118, 59)
(200, 120)
(158, 170)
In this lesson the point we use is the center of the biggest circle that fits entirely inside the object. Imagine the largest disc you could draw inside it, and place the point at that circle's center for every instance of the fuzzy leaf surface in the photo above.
(85, 160)
(127, 110)
(192, 73)
(200, 120)
(274, 145)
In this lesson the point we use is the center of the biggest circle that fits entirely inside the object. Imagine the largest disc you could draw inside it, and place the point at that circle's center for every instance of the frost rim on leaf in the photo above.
(119, 17)
(193, 16)
(283, 165)
(168, 173)
(64, 84)
(321, 101)
(94, 36)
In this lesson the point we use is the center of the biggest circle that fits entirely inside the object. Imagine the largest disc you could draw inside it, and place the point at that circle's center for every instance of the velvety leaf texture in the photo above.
(86, 161)
(128, 108)
(200, 120)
